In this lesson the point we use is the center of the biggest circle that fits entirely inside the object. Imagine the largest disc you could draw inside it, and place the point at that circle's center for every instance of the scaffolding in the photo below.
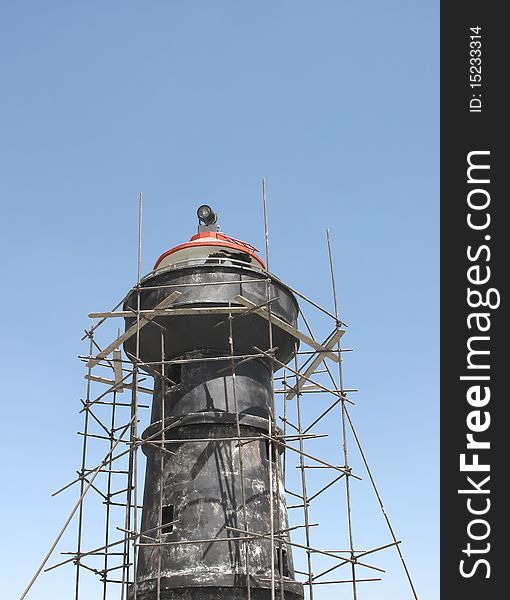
(308, 393)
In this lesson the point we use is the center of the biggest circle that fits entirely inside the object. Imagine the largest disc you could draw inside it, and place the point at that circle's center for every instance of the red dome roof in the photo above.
(212, 238)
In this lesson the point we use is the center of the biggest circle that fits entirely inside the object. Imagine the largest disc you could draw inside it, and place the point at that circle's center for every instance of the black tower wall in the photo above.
(198, 483)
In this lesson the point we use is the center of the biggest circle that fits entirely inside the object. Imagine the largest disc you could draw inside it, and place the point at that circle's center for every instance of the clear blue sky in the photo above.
(336, 103)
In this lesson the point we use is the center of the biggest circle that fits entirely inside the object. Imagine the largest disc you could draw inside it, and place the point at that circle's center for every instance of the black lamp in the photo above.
(206, 215)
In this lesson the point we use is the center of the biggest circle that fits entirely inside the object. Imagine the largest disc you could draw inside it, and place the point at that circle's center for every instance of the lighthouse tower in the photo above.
(214, 490)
